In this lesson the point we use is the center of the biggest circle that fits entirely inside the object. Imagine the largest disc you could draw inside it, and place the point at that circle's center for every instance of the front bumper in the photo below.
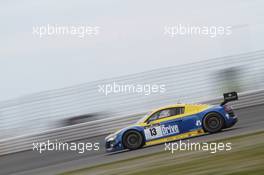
(113, 144)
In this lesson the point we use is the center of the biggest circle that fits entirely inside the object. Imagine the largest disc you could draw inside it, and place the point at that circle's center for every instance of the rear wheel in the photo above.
(213, 122)
(132, 139)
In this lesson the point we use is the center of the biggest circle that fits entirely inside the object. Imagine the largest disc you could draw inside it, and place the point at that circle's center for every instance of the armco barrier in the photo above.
(91, 129)
(189, 83)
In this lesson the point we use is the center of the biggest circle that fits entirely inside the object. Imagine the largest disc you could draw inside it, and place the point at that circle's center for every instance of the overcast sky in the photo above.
(131, 39)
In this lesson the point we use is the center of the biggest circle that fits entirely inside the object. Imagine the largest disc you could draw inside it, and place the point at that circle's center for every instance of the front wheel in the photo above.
(132, 140)
(213, 122)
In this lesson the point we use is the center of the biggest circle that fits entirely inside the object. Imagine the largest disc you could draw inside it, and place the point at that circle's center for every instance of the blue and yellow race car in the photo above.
(174, 122)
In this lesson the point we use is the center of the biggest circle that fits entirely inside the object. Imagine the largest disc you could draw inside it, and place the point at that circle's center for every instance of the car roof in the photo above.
(178, 105)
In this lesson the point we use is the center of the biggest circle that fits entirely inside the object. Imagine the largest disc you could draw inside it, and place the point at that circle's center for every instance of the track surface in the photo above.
(28, 162)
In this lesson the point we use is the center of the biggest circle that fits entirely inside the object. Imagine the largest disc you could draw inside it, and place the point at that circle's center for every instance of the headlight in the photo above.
(111, 137)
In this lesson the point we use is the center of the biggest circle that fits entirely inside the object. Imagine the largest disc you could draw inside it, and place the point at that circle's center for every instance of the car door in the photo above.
(164, 123)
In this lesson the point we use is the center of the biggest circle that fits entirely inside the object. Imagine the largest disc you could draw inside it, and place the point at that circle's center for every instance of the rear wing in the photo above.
(230, 96)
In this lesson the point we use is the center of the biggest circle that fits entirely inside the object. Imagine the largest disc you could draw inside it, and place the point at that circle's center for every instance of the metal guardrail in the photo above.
(185, 83)
(104, 126)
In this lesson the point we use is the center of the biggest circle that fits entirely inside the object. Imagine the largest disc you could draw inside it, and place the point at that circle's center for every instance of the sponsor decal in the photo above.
(198, 123)
(171, 129)
(160, 131)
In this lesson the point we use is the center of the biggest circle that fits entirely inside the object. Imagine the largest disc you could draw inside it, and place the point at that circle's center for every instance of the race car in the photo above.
(175, 122)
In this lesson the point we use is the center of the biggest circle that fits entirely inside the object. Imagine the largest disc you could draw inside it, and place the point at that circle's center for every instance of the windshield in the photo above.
(144, 118)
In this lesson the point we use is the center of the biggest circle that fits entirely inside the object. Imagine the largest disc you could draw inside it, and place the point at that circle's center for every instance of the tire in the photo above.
(213, 122)
(133, 139)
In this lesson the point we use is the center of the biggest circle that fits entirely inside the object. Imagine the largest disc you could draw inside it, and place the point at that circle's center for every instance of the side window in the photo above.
(178, 110)
(166, 113)
(154, 116)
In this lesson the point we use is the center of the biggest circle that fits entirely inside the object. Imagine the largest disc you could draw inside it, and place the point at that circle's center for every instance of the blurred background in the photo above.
(187, 83)
(50, 85)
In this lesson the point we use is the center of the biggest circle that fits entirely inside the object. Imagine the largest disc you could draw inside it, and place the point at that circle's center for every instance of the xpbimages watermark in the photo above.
(191, 30)
(56, 145)
(212, 147)
(144, 89)
(79, 31)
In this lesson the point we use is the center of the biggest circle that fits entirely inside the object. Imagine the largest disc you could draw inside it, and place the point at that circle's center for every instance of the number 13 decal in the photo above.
(153, 131)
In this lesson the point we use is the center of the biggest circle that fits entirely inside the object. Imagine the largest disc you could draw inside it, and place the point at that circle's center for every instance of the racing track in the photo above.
(28, 162)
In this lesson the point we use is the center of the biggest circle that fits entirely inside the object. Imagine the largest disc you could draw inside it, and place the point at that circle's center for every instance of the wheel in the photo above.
(132, 140)
(213, 122)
